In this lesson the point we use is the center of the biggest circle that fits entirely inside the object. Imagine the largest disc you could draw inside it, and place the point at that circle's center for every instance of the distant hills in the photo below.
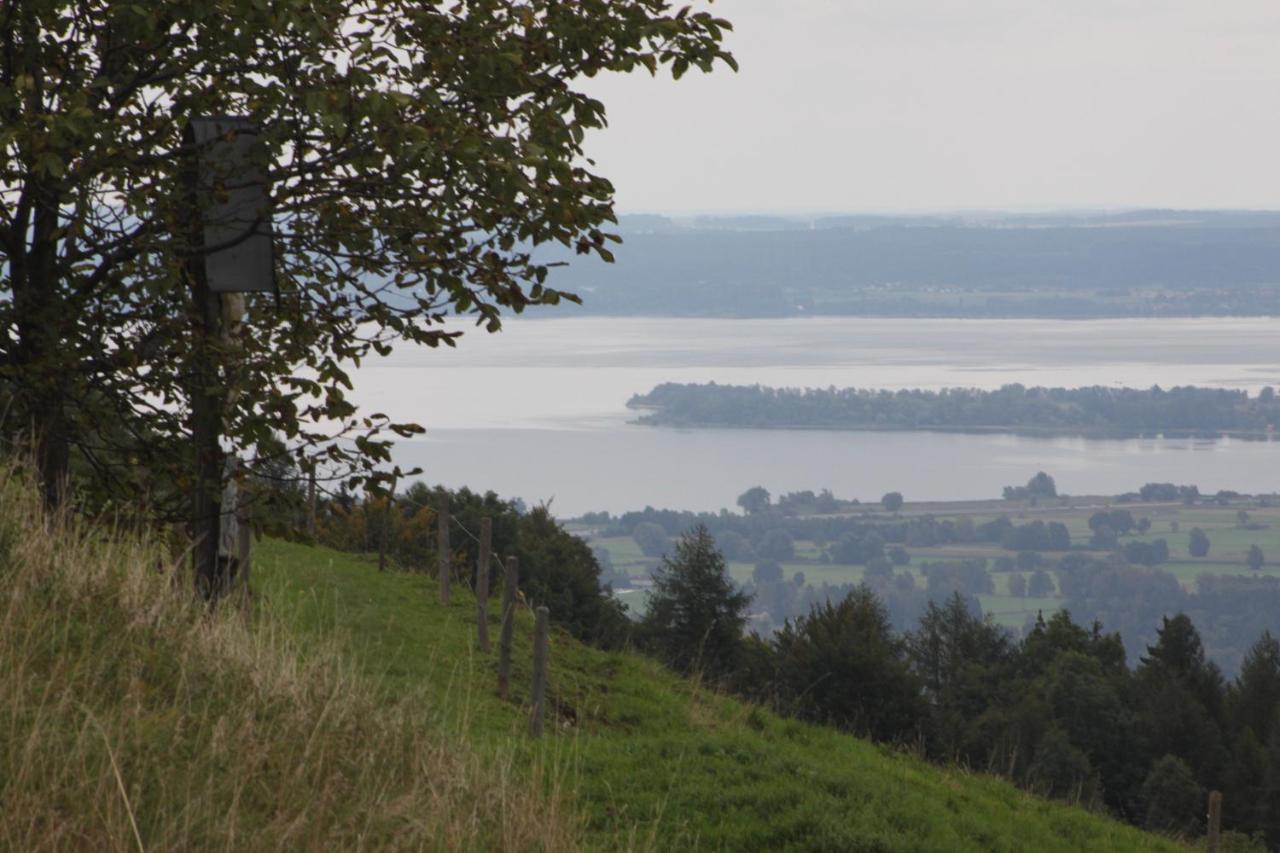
(1070, 265)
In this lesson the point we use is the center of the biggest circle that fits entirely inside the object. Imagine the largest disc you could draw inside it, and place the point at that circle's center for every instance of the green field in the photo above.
(1229, 545)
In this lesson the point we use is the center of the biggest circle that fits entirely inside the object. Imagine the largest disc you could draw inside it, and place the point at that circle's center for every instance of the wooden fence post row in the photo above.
(445, 559)
(542, 626)
(482, 584)
(508, 625)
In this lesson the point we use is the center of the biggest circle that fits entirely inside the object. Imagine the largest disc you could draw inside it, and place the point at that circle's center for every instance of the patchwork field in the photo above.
(1230, 537)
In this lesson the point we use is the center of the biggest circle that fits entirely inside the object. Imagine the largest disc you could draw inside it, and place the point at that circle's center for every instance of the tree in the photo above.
(1059, 537)
(1017, 585)
(1042, 486)
(651, 539)
(892, 501)
(558, 569)
(898, 555)
(1061, 771)
(1255, 558)
(1040, 585)
(959, 656)
(695, 615)
(1198, 546)
(1173, 798)
(754, 500)
(416, 154)
(776, 545)
(766, 572)
(843, 665)
(1028, 561)
(1257, 694)
(735, 546)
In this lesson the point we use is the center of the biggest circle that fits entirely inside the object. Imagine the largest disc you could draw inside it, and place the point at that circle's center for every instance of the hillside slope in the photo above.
(132, 720)
(648, 759)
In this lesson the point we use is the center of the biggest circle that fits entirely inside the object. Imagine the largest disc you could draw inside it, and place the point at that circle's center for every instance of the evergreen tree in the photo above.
(843, 665)
(696, 614)
(961, 659)
(1257, 694)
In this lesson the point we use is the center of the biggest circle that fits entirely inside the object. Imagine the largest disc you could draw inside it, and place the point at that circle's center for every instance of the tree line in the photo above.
(1011, 407)
(1060, 711)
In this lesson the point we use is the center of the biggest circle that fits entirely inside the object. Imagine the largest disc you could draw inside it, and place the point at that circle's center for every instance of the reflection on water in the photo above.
(539, 410)
(628, 467)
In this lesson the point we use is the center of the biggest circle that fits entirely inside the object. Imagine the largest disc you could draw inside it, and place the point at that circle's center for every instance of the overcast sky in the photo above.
(896, 105)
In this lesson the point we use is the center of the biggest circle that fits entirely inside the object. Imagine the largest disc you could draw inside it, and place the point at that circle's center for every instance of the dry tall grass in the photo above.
(130, 719)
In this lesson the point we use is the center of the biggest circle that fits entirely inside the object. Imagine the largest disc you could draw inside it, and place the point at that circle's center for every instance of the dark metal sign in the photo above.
(235, 214)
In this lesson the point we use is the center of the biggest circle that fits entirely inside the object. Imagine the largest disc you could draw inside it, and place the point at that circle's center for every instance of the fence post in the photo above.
(386, 523)
(445, 560)
(311, 504)
(541, 628)
(244, 556)
(482, 584)
(508, 625)
(1215, 822)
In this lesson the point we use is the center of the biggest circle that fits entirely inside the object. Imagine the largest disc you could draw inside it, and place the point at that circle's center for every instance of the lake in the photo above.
(538, 411)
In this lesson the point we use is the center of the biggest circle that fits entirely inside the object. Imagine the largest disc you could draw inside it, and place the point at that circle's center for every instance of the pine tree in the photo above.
(695, 616)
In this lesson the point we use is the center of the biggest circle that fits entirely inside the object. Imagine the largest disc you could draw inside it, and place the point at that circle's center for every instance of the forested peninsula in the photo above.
(1013, 408)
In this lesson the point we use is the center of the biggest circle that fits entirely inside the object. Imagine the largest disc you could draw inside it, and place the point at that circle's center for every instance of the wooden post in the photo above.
(386, 524)
(482, 584)
(311, 504)
(1215, 822)
(382, 538)
(207, 404)
(445, 559)
(244, 556)
(541, 628)
(508, 625)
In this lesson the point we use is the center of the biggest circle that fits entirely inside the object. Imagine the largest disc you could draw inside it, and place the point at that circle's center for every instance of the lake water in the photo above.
(538, 411)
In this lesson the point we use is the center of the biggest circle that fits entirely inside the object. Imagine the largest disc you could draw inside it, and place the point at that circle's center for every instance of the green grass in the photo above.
(133, 719)
(650, 760)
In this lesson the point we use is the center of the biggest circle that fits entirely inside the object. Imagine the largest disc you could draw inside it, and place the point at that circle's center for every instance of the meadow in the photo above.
(1229, 545)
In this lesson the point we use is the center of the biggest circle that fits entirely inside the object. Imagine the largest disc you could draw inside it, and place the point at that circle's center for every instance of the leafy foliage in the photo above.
(416, 154)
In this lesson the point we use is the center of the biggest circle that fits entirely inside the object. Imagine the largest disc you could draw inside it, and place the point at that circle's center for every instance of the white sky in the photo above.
(897, 105)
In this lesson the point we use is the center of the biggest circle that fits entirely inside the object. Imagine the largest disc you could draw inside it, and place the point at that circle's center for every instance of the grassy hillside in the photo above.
(352, 711)
(648, 759)
(131, 720)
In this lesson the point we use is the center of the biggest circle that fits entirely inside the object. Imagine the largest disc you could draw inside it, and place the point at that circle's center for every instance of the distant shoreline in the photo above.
(1029, 432)
(1096, 412)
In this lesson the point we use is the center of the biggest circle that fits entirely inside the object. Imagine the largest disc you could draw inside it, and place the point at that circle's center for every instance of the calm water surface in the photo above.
(538, 411)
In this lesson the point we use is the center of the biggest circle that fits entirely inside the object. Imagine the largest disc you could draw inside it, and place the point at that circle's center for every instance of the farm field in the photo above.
(1230, 536)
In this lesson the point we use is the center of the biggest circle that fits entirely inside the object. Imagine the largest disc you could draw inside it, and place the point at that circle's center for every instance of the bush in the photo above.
(1173, 798)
